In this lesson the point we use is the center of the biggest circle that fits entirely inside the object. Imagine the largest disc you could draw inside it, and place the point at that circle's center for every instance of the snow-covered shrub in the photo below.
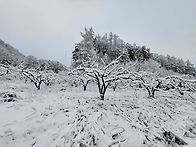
(8, 97)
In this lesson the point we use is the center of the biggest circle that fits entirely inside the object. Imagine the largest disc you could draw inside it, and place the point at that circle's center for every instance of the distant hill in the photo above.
(11, 56)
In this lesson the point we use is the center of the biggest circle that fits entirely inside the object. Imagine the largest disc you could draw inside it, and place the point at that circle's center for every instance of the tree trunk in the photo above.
(84, 86)
(102, 96)
(114, 88)
(151, 91)
(38, 86)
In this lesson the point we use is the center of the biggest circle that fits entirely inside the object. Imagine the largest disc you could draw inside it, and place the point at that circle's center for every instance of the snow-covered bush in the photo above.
(4, 69)
(8, 97)
(8, 72)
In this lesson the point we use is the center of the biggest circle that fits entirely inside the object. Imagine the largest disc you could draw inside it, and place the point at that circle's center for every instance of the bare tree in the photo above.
(105, 76)
(85, 83)
(35, 77)
(79, 76)
(180, 84)
(114, 85)
(147, 80)
(152, 83)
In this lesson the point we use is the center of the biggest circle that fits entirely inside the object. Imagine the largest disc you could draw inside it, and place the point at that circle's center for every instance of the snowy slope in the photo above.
(53, 117)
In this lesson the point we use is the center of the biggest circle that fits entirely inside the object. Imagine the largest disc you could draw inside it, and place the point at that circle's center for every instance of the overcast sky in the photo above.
(49, 28)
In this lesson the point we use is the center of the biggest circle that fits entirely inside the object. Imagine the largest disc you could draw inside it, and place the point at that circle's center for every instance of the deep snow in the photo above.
(61, 115)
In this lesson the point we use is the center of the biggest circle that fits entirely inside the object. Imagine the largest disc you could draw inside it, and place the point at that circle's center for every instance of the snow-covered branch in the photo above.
(104, 76)
(35, 78)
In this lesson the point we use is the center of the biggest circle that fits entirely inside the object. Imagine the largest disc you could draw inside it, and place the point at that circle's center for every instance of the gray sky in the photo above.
(49, 28)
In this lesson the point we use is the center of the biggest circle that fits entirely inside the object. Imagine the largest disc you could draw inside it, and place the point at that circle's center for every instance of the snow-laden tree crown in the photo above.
(106, 48)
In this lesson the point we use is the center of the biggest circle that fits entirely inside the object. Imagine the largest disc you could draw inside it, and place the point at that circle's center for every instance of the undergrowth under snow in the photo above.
(60, 116)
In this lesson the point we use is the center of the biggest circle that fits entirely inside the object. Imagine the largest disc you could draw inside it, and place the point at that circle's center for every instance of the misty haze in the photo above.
(95, 73)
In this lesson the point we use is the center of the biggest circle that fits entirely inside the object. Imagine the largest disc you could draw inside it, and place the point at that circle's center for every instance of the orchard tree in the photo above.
(104, 76)
(114, 85)
(81, 77)
(149, 81)
(180, 84)
(35, 77)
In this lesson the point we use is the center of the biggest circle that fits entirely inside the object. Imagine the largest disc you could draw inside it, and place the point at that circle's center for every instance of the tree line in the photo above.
(11, 56)
(108, 47)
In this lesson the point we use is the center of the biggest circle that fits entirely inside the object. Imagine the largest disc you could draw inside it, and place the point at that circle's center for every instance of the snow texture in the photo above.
(52, 117)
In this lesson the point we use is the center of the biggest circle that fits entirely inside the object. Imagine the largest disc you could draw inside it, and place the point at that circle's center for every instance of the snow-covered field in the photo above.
(64, 116)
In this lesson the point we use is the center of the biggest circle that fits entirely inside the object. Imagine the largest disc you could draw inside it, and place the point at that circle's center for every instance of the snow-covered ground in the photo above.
(63, 116)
